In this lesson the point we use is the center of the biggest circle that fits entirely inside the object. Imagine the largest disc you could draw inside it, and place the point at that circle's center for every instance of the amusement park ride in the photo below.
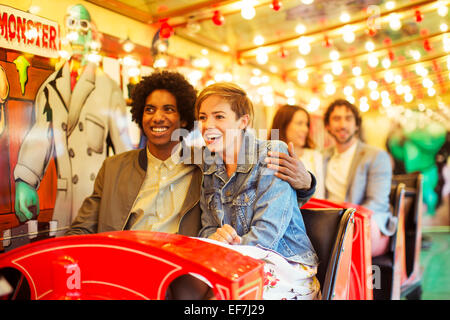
(108, 265)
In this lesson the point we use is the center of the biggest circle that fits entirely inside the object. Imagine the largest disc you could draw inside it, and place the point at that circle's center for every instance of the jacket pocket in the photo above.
(95, 130)
(245, 199)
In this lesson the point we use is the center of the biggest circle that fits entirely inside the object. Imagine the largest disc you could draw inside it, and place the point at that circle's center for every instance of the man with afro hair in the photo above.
(157, 188)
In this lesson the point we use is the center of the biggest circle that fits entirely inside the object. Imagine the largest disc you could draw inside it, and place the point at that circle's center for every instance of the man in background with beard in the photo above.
(358, 173)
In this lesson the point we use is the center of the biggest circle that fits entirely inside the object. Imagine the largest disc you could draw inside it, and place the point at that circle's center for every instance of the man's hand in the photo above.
(289, 168)
(26, 196)
(226, 234)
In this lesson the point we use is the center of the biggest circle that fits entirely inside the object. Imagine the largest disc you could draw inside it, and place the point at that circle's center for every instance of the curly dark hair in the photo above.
(174, 82)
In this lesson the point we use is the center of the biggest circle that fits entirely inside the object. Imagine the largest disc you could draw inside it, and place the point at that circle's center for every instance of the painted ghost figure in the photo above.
(79, 113)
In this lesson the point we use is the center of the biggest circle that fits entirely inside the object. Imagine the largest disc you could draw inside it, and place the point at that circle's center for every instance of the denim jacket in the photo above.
(262, 208)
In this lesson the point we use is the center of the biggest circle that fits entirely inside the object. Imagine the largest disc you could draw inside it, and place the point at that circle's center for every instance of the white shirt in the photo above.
(338, 168)
(313, 161)
(162, 193)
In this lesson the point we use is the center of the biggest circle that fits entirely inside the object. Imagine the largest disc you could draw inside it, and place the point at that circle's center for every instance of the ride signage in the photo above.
(26, 32)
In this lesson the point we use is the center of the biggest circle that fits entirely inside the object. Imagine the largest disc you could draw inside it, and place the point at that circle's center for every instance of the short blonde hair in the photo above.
(232, 93)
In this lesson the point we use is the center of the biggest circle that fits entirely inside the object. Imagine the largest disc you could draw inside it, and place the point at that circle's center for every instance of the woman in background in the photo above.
(293, 125)
(244, 205)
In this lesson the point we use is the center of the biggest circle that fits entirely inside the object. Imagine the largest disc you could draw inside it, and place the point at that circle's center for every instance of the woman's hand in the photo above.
(226, 234)
(289, 168)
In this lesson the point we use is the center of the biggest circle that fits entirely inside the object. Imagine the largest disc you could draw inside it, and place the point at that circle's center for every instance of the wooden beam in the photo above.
(124, 9)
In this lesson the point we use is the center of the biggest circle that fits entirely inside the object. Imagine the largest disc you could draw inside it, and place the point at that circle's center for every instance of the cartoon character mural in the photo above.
(80, 113)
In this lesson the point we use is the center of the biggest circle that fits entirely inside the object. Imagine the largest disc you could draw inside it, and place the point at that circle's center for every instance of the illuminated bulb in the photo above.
(431, 92)
(262, 57)
(344, 17)
(350, 99)
(363, 100)
(291, 101)
(384, 94)
(408, 97)
(415, 54)
(300, 63)
(327, 78)
(399, 89)
(389, 76)
(33, 9)
(162, 47)
(128, 46)
(394, 21)
(258, 40)
(334, 55)
(289, 93)
(160, 63)
(302, 76)
(370, 46)
(348, 34)
(256, 71)
(307, 1)
(446, 44)
(248, 11)
(64, 54)
(374, 95)
(390, 5)
(264, 79)
(94, 57)
(356, 71)
(372, 84)
(268, 100)
(273, 69)
(134, 72)
(313, 105)
(225, 48)
(359, 83)
(228, 77)
(386, 103)
(330, 89)
(407, 89)
(427, 83)
(304, 47)
(129, 61)
(364, 107)
(442, 9)
(337, 68)
(348, 90)
(398, 78)
(255, 81)
(300, 28)
(386, 63)
(421, 71)
(443, 27)
(372, 61)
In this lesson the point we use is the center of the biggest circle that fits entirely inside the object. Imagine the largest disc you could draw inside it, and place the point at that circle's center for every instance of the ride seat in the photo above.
(331, 233)
(388, 286)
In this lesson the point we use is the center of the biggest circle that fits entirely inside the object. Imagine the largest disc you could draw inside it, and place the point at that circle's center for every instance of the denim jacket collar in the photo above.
(247, 156)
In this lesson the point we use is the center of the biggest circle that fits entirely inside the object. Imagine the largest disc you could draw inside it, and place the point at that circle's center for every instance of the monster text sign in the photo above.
(25, 32)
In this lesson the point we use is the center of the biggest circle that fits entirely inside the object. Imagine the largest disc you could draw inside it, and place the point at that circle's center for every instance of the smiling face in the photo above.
(342, 125)
(297, 130)
(220, 128)
(159, 120)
